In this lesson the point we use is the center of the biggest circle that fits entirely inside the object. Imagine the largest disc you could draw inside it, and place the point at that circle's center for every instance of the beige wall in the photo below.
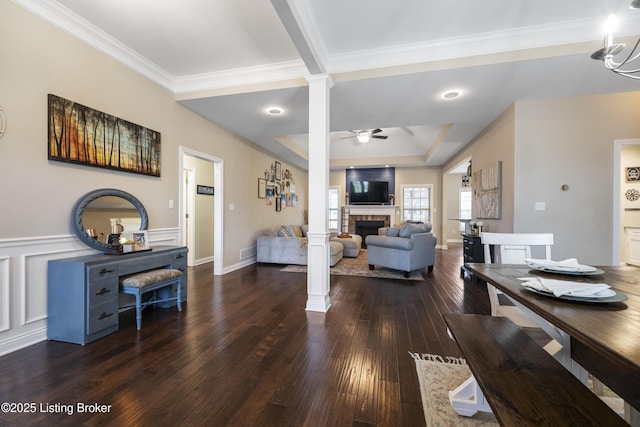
(571, 141)
(42, 59)
(544, 144)
(496, 142)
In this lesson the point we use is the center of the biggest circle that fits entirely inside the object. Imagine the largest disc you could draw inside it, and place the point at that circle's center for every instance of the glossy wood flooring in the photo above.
(244, 352)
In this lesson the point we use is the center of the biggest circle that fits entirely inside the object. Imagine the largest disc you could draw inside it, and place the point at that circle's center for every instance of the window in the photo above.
(416, 203)
(465, 206)
(334, 208)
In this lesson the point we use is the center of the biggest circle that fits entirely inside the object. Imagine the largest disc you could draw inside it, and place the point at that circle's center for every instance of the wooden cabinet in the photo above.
(472, 251)
(83, 291)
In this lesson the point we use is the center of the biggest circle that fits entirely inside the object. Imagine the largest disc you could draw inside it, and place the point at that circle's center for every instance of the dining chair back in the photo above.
(512, 248)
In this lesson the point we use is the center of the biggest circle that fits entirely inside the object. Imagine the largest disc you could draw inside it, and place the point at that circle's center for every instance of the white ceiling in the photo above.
(390, 61)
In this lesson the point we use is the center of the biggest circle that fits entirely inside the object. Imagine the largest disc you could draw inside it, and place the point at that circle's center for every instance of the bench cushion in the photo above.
(150, 277)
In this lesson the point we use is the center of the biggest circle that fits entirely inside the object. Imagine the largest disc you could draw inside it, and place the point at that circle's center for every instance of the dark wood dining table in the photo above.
(604, 337)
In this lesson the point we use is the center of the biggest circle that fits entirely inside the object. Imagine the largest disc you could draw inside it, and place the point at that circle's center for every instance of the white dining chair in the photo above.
(513, 248)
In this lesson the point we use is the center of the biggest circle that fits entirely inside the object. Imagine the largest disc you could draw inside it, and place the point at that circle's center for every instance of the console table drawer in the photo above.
(103, 291)
(101, 272)
(102, 316)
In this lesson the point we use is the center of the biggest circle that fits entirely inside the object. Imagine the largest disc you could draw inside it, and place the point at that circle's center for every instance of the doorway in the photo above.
(620, 212)
(190, 224)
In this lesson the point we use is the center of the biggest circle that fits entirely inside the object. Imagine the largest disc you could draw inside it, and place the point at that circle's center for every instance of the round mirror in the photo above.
(107, 211)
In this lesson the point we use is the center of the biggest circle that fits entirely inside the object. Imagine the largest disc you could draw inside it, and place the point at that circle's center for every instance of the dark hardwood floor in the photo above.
(244, 352)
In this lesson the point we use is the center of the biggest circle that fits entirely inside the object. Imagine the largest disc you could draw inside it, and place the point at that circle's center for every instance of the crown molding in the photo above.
(475, 45)
(78, 27)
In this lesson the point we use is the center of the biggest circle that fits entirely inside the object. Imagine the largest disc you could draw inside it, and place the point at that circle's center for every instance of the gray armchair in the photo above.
(405, 248)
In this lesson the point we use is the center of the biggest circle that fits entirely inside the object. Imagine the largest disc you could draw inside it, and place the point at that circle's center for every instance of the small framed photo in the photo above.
(140, 240)
(262, 188)
(278, 204)
(278, 171)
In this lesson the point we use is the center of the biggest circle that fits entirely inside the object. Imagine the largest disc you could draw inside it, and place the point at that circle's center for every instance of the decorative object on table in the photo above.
(632, 174)
(205, 189)
(140, 240)
(262, 188)
(344, 222)
(81, 135)
(487, 191)
(475, 227)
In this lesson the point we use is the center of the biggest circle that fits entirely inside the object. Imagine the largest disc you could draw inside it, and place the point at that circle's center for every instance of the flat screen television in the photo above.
(369, 192)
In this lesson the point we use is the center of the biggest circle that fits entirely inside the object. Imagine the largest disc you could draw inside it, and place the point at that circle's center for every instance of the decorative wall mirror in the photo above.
(95, 215)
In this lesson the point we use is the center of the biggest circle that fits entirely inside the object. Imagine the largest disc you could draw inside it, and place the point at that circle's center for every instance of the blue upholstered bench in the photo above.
(151, 281)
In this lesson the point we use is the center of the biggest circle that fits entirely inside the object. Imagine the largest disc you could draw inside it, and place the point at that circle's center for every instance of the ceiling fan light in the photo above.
(363, 137)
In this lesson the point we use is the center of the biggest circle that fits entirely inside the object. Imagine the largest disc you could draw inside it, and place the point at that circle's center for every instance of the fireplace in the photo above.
(365, 228)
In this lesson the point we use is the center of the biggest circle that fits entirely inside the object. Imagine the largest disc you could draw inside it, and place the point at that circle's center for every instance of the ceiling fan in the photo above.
(365, 135)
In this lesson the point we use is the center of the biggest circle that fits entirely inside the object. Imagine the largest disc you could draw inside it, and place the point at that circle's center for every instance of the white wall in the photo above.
(37, 194)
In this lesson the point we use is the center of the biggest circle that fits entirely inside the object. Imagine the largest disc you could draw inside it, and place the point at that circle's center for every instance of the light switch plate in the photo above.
(540, 206)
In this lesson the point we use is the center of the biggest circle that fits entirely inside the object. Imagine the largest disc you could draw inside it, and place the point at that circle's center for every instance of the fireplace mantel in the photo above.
(387, 210)
(371, 212)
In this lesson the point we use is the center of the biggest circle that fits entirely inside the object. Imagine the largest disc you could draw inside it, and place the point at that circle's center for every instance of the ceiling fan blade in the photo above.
(376, 131)
(379, 136)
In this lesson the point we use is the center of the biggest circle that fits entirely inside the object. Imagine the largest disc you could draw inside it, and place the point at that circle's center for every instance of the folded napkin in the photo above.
(570, 264)
(564, 287)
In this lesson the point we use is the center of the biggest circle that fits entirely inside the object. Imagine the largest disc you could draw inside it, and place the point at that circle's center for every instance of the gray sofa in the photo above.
(288, 245)
(409, 247)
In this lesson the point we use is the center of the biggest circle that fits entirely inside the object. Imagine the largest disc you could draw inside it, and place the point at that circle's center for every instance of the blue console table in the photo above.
(83, 291)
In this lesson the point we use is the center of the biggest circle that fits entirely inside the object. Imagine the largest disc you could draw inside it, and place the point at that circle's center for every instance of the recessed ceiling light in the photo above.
(274, 111)
(450, 94)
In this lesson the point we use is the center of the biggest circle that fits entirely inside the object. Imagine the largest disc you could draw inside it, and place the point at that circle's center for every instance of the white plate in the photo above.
(608, 295)
(583, 270)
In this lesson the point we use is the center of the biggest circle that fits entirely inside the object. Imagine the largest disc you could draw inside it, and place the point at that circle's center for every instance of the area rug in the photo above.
(359, 267)
(438, 375)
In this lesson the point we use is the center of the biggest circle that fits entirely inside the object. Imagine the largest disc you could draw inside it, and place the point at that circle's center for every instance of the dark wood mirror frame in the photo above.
(81, 204)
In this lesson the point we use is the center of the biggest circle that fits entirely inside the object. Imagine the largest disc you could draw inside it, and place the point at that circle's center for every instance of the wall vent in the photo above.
(248, 252)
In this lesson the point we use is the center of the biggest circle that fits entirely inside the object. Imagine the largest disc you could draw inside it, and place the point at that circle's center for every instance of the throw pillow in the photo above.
(409, 229)
(295, 231)
(283, 232)
(305, 229)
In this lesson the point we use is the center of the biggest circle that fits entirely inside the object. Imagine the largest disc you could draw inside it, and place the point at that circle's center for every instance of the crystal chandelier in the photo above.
(611, 49)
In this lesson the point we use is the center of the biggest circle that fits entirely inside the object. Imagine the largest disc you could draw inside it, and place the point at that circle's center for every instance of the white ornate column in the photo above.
(318, 234)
